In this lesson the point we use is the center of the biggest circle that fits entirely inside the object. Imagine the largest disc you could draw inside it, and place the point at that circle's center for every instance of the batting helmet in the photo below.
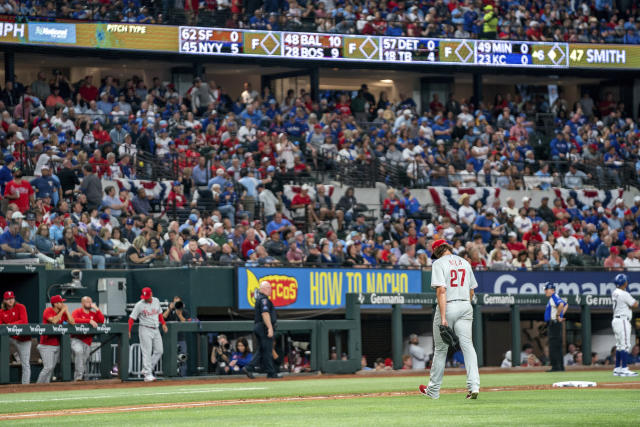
(620, 279)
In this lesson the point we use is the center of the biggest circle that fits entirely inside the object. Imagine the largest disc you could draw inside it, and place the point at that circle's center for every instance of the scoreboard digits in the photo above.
(210, 41)
(405, 50)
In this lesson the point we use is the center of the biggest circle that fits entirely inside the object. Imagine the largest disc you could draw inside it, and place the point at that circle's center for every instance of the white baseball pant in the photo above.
(81, 353)
(622, 330)
(24, 351)
(150, 347)
(50, 354)
(460, 319)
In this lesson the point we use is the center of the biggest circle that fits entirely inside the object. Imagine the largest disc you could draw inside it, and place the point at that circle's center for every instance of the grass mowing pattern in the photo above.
(543, 407)
(43, 401)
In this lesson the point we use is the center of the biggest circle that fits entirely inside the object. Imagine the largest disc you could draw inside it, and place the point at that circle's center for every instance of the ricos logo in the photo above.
(284, 289)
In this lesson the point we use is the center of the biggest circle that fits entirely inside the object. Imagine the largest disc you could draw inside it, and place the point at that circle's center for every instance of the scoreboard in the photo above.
(414, 50)
(240, 43)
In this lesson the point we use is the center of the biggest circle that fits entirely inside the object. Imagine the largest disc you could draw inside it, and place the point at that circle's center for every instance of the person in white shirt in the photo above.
(623, 303)
(567, 244)
(465, 116)
(403, 119)
(162, 141)
(510, 209)
(522, 222)
(468, 176)
(454, 281)
(466, 213)
(506, 362)
(632, 261)
(248, 95)
(418, 354)
(127, 148)
(408, 259)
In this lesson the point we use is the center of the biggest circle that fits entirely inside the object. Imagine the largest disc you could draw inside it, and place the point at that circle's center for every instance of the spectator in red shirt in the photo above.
(49, 346)
(249, 243)
(19, 191)
(99, 163)
(534, 32)
(176, 198)
(392, 205)
(88, 92)
(435, 105)
(614, 261)
(513, 245)
(343, 106)
(81, 344)
(532, 235)
(99, 134)
(14, 313)
(301, 201)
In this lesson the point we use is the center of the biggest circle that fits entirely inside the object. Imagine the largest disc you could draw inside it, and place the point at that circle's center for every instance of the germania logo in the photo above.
(498, 299)
(387, 299)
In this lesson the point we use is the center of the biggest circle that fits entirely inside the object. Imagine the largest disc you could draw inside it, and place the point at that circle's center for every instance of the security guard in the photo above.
(265, 322)
(554, 316)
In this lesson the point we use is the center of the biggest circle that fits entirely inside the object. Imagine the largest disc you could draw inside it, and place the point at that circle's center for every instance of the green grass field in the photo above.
(532, 407)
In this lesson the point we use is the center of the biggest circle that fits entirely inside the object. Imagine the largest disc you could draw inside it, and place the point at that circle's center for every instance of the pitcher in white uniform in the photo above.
(453, 279)
(623, 302)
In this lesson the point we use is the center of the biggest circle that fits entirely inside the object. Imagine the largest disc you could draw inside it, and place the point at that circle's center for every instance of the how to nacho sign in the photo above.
(309, 288)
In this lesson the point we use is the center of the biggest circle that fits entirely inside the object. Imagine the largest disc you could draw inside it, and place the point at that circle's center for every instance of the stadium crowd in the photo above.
(596, 21)
(232, 160)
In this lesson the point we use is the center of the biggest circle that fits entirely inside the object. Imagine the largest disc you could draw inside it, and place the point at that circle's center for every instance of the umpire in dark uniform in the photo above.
(265, 323)
(554, 316)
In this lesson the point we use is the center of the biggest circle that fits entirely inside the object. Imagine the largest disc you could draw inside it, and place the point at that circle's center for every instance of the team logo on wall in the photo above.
(284, 289)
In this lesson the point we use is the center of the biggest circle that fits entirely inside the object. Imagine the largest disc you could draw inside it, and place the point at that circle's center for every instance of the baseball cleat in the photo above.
(628, 373)
(149, 378)
(425, 391)
(472, 395)
(617, 372)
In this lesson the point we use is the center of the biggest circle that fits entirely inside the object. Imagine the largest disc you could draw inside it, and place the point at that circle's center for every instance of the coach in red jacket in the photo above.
(81, 344)
(14, 313)
(49, 346)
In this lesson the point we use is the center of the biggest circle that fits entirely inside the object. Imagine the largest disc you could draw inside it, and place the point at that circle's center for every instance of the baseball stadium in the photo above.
(320, 212)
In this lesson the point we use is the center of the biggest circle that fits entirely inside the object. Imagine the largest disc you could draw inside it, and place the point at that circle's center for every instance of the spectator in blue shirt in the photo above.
(241, 357)
(218, 179)
(227, 202)
(544, 173)
(587, 246)
(278, 224)
(484, 224)
(12, 245)
(5, 172)
(47, 186)
(559, 147)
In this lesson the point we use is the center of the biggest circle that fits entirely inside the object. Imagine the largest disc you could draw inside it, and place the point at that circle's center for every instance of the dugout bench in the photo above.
(318, 330)
(354, 301)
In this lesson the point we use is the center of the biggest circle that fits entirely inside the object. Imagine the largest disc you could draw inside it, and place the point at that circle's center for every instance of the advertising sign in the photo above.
(310, 288)
(567, 282)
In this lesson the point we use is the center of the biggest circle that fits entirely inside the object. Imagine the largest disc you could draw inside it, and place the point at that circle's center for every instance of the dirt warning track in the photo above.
(214, 403)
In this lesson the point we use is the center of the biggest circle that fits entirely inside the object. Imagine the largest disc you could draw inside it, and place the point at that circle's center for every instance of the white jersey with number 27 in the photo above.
(455, 274)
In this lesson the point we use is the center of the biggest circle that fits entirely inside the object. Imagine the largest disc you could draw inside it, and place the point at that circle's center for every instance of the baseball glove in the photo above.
(449, 336)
